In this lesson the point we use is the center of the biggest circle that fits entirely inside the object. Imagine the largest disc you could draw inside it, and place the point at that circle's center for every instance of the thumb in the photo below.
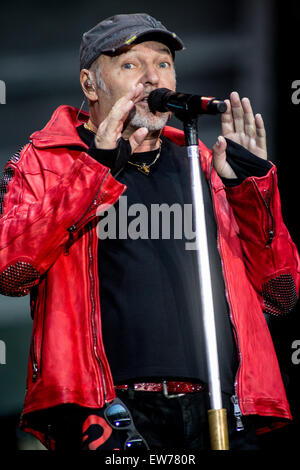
(220, 147)
(221, 165)
(219, 154)
(138, 137)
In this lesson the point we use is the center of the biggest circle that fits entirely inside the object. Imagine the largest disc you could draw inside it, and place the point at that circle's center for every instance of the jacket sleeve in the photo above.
(35, 226)
(271, 257)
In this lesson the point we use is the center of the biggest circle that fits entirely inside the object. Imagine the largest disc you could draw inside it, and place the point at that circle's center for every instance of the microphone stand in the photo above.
(217, 416)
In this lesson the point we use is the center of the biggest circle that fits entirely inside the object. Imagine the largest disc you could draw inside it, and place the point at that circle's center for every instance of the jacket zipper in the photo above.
(234, 399)
(237, 413)
(267, 203)
(93, 313)
(35, 368)
(36, 362)
(75, 227)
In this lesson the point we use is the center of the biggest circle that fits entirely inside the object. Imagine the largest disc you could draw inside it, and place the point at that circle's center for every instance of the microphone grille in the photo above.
(156, 100)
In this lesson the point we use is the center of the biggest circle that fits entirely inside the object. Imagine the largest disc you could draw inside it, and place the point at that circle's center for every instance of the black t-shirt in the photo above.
(150, 304)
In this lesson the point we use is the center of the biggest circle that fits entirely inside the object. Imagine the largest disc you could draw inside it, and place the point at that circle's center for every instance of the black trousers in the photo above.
(165, 423)
(182, 422)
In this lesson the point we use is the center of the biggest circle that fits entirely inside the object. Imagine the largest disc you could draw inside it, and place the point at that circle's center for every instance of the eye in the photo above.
(128, 66)
(164, 65)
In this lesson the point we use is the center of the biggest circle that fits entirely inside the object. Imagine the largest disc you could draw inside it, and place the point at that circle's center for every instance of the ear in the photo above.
(88, 86)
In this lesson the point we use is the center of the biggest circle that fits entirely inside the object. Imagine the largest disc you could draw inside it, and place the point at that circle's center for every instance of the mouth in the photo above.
(143, 103)
(144, 99)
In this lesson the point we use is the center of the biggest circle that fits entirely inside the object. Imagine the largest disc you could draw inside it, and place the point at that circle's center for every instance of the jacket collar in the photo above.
(61, 131)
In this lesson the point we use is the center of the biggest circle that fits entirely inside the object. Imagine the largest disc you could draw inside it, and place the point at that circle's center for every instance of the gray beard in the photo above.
(148, 120)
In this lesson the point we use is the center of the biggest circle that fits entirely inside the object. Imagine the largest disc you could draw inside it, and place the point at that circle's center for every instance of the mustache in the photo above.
(146, 93)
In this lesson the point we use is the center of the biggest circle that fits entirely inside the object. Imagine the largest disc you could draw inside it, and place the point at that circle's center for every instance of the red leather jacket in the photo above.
(52, 189)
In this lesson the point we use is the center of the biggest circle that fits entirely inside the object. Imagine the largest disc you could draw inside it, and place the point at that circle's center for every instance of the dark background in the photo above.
(248, 46)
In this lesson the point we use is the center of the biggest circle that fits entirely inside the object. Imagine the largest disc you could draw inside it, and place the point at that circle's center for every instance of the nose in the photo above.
(151, 76)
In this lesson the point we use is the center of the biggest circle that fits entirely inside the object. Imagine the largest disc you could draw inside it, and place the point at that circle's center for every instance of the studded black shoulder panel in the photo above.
(17, 279)
(279, 294)
(6, 178)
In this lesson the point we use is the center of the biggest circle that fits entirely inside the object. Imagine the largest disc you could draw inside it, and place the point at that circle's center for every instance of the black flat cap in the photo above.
(122, 30)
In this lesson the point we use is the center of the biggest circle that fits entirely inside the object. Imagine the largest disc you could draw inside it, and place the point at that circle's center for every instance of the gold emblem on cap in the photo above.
(130, 40)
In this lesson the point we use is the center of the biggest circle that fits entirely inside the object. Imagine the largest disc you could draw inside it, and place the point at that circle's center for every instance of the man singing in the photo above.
(117, 356)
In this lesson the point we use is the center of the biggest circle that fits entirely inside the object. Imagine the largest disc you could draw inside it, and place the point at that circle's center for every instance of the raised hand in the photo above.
(110, 130)
(240, 125)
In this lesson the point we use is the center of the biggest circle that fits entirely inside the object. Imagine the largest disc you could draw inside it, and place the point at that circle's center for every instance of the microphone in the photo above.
(163, 100)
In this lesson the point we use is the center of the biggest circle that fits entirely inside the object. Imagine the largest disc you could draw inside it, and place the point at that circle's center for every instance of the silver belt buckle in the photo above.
(166, 393)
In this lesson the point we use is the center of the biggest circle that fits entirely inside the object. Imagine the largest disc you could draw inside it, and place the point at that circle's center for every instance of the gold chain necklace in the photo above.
(145, 167)
(88, 127)
(142, 167)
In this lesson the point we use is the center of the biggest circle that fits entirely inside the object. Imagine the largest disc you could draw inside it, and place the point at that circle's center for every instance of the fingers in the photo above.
(110, 130)
(237, 112)
(239, 118)
(242, 115)
(227, 120)
(249, 121)
(121, 108)
(137, 138)
(261, 134)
